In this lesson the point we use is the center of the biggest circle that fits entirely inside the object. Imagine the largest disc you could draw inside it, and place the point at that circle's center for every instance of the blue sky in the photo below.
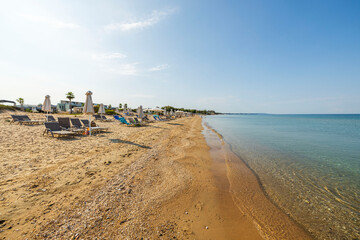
(231, 56)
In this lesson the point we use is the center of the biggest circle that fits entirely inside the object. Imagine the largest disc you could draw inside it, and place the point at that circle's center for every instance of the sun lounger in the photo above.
(157, 118)
(16, 118)
(105, 119)
(64, 123)
(131, 120)
(102, 118)
(137, 121)
(50, 118)
(75, 122)
(122, 120)
(24, 119)
(146, 119)
(27, 119)
(96, 129)
(55, 130)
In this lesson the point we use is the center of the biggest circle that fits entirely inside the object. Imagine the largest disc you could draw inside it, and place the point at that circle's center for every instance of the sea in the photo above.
(308, 165)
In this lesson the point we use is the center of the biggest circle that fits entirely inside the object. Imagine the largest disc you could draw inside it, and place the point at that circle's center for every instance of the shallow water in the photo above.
(309, 166)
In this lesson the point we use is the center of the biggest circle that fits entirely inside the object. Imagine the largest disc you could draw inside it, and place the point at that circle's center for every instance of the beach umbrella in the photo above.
(171, 112)
(157, 109)
(46, 107)
(101, 109)
(89, 107)
(140, 113)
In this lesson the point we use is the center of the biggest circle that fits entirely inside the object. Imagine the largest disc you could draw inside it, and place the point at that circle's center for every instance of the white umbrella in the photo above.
(89, 107)
(46, 107)
(101, 109)
(140, 113)
(157, 109)
(165, 112)
(171, 112)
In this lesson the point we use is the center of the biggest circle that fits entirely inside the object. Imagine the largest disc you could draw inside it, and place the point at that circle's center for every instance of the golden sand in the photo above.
(155, 182)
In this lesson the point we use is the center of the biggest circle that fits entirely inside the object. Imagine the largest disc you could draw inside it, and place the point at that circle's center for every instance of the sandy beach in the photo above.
(159, 181)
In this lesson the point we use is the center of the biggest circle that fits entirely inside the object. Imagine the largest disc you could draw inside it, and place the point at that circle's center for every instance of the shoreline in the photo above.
(284, 227)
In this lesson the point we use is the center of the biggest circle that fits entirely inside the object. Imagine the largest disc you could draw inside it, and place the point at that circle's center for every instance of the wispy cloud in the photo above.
(108, 56)
(154, 18)
(50, 21)
(129, 69)
(159, 67)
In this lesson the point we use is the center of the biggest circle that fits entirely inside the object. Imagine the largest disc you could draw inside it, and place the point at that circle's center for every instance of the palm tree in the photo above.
(21, 101)
(70, 96)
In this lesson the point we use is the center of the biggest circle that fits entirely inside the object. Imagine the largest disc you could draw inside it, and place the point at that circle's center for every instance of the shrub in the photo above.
(5, 107)
(110, 112)
(96, 108)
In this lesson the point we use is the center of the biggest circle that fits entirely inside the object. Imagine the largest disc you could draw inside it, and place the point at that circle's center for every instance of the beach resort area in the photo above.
(152, 180)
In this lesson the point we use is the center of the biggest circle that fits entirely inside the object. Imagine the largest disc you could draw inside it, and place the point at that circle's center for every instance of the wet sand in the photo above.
(248, 195)
(157, 182)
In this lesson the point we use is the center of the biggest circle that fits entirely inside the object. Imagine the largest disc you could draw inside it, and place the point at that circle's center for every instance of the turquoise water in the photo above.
(309, 166)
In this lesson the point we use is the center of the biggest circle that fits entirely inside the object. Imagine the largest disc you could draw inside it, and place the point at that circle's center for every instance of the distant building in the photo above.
(64, 106)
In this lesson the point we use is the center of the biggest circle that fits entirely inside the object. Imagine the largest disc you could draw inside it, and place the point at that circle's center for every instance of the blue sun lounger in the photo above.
(157, 117)
(121, 119)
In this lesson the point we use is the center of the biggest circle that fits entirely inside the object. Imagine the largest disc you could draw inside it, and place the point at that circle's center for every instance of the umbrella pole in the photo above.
(90, 125)
(47, 116)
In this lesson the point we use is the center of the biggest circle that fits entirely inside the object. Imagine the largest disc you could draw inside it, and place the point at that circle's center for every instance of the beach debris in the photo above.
(186, 212)
(206, 227)
(129, 191)
(199, 206)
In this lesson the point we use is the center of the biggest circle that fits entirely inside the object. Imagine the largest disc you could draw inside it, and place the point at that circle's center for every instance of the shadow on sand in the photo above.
(154, 126)
(178, 124)
(128, 142)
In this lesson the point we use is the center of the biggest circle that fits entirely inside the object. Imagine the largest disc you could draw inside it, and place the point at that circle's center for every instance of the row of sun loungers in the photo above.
(65, 126)
(102, 118)
(130, 121)
(24, 119)
(70, 127)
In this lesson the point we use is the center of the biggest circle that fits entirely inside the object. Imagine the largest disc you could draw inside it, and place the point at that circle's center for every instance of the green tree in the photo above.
(70, 96)
(125, 105)
(120, 106)
(21, 101)
(109, 107)
(96, 108)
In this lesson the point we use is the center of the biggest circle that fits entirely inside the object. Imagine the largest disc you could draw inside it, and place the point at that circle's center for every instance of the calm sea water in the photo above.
(309, 165)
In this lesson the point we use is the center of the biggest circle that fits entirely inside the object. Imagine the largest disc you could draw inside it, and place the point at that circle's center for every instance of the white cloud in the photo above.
(108, 56)
(154, 18)
(51, 22)
(159, 67)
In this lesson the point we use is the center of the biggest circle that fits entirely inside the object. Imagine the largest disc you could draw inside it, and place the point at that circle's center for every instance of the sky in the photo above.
(279, 56)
